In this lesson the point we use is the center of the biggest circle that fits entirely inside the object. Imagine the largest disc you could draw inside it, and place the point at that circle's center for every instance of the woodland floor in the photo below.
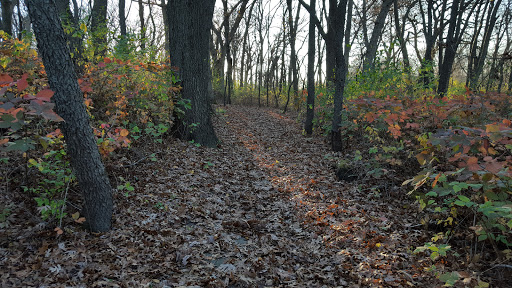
(263, 210)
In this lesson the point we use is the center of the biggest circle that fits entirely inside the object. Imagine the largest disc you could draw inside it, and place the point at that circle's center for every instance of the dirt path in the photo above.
(264, 210)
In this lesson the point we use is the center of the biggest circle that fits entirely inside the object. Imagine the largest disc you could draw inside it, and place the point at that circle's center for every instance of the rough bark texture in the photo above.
(99, 26)
(189, 32)
(341, 74)
(308, 126)
(81, 143)
(7, 16)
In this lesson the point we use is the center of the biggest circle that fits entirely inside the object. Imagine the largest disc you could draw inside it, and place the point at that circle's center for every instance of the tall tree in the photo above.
(142, 26)
(7, 8)
(189, 32)
(122, 45)
(292, 24)
(477, 58)
(341, 74)
(432, 23)
(80, 140)
(372, 45)
(245, 50)
(74, 40)
(310, 108)
(334, 19)
(99, 26)
(457, 26)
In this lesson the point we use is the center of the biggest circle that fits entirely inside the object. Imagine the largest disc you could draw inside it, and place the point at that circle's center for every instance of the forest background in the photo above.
(414, 94)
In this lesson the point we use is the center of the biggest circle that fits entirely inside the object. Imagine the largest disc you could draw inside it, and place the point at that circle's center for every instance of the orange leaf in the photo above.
(5, 79)
(107, 60)
(435, 180)
(473, 164)
(492, 128)
(22, 84)
(3, 141)
(494, 167)
(124, 132)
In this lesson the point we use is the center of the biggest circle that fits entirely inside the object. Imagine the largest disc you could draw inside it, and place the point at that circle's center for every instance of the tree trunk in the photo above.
(371, 48)
(293, 52)
(479, 62)
(189, 31)
(310, 107)
(7, 9)
(99, 27)
(166, 25)
(454, 36)
(142, 26)
(400, 32)
(341, 74)
(122, 45)
(75, 42)
(81, 143)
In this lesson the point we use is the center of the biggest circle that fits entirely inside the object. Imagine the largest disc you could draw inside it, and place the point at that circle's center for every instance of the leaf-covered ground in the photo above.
(262, 210)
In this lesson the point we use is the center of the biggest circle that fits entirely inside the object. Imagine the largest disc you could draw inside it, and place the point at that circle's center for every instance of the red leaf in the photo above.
(45, 94)
(107, 60)
(473, 164)
(102, 65)
(5, 79)
(494, 167)
(22, 83)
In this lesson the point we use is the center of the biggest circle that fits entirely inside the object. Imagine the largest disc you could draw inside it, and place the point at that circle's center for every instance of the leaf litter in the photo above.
(263, 210)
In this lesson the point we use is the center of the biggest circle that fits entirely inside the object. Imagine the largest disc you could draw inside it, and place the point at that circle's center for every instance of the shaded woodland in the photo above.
(250, 143)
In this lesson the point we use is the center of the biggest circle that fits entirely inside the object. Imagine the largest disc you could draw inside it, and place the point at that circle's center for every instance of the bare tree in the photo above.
(310, 105)
(457, 25)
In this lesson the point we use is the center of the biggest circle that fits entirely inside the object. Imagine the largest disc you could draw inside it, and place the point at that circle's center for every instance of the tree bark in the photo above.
(292, 23)
(479, 62)
(456, 26)
(189, 32)
(371, 48)
(432, 27)
(310, 105)
(75, 42)
(142, 26)
(7, 9)
(341, 74)
(81, 143)
(99, 27)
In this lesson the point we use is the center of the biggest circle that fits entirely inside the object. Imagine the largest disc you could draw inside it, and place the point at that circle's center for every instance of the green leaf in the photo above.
(432, 194)
(482, 237)
(449, 279)
(21, 145)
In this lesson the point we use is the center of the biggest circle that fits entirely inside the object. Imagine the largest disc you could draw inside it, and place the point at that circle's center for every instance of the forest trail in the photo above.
(263, 210)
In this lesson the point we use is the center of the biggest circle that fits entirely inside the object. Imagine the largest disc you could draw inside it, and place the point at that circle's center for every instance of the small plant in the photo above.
(208, 165)
(50, 190)
(126, 187)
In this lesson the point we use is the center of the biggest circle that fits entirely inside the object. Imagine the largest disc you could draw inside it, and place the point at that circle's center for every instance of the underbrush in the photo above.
(453, 155)
(131, 105)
